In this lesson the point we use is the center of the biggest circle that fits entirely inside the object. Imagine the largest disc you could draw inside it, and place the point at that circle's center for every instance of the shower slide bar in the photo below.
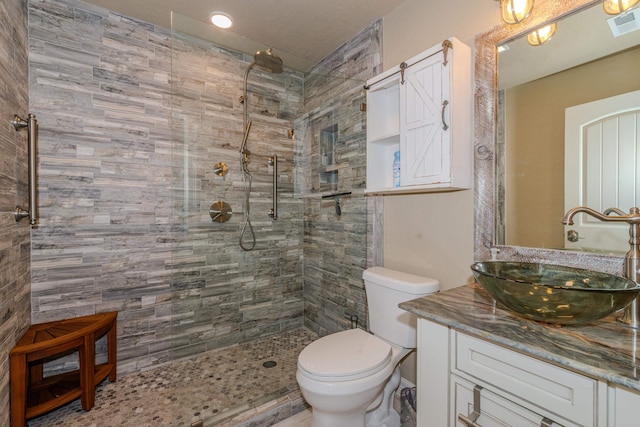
(273, 212)
(32, 131)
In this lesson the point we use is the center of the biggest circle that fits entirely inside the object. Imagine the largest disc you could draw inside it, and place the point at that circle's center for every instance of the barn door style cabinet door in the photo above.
(422, 108)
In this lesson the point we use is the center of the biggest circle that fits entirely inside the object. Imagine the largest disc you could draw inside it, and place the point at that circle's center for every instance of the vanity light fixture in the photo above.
(541, 35)
(516, 11)
(615, 7)
(221, 20)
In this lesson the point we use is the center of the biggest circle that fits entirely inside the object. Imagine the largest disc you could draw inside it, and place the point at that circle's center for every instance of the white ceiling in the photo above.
(302, 32)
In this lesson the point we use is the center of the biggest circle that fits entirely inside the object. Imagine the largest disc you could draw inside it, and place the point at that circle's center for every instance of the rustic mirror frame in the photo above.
(485, 145)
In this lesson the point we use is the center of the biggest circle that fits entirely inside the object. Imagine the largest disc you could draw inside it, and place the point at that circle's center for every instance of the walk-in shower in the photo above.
(270, 62)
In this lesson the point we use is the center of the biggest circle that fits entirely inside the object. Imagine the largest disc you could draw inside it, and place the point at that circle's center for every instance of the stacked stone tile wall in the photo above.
(128, 144)
(125, 196)
(336, 247)
(243, 294)
(15, 305)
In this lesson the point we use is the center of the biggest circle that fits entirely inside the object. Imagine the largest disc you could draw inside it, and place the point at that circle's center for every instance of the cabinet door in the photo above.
(623, 407)
(424, 143)
(495, 411)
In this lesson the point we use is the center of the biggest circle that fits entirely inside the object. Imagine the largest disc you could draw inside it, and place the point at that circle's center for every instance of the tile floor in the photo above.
(226, 387)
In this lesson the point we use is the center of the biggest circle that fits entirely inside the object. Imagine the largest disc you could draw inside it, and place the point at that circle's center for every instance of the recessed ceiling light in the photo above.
(221, 20)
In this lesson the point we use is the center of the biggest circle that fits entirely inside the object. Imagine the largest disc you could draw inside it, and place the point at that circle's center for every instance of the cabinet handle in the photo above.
(546, 422)
(470, 421)
(467, 421)
(445, 126)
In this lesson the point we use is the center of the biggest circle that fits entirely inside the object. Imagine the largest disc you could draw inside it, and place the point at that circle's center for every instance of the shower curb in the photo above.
(267, 414)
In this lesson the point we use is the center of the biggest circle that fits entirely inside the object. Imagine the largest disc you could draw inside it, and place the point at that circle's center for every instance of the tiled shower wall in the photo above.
(99, 83)
(337, 248)
(125, 197)
(126, 228)
(223, 294)
(15, 306)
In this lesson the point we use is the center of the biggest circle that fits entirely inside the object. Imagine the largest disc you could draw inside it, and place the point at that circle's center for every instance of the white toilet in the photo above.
(349, 377)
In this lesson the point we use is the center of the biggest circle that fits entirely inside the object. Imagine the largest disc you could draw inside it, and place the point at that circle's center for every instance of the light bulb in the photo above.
(221, 20)
(516, 11)
(541, 35)
(615, 7)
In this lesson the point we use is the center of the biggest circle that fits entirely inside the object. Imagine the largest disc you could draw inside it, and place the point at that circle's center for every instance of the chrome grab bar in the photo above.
(273, 212)
(32, 129)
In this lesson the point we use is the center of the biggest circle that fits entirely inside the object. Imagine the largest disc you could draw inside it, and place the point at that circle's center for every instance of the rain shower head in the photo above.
(268, 61)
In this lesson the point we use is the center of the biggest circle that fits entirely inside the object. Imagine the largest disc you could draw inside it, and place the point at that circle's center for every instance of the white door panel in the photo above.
(602, 157)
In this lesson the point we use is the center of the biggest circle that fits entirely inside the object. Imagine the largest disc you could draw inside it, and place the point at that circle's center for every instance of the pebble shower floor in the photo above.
(218, 387)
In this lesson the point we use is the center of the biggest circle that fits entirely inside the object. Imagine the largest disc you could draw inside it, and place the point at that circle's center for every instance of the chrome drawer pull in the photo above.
(467, 421)
(546, 422)
(470, 421)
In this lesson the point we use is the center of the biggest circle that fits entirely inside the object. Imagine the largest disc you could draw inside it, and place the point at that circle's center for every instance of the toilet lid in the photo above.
(345, 355)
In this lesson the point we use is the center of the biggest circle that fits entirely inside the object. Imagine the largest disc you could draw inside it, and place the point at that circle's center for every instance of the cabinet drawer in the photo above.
(550, 388)
(494, 411)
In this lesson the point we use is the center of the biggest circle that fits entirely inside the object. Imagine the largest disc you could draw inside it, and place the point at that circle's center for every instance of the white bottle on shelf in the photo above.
(396, 169)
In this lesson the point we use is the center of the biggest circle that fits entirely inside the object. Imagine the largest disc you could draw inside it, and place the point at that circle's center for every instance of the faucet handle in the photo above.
(573, 236)
(616, 210)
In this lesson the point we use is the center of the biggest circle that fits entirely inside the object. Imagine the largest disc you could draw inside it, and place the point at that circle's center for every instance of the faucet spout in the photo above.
(631, 315)
(633, 217)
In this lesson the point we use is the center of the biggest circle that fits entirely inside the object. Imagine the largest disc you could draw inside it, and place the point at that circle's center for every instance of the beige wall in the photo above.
(432, 234)
(416, 25)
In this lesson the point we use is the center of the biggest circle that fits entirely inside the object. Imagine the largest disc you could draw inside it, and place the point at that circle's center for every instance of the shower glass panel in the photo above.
(221, 294)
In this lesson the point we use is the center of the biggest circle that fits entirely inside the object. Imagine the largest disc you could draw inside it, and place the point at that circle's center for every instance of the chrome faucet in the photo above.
(631, 315)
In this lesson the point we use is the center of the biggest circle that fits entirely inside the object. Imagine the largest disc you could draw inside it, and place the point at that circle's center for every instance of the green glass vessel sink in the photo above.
(553, 293)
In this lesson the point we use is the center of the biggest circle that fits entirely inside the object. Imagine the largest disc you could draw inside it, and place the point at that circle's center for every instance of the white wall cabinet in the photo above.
(422, 108)
(464, 380)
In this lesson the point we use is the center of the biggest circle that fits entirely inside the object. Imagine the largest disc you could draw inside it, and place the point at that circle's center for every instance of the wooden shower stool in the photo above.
(33, 395)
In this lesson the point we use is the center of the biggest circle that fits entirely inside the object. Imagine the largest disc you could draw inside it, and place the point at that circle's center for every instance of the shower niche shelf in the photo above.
(328, 169)
(422, 108)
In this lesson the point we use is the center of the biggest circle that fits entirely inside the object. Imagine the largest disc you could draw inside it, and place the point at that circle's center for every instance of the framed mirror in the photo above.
(589, 67)
(489, 154)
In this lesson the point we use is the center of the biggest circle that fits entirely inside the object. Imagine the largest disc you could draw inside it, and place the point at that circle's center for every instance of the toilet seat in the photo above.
(344, 356)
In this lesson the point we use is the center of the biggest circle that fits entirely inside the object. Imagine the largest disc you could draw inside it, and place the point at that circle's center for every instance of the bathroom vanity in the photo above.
(480, 365)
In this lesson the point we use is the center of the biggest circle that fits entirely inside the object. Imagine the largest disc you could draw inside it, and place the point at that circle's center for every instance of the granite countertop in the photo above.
(606, 349)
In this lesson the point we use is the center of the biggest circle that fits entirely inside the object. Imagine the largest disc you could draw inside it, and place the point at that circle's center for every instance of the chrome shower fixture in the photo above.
(267, 61)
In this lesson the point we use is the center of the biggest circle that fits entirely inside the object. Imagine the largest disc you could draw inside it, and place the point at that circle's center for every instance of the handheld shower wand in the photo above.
(270, 62)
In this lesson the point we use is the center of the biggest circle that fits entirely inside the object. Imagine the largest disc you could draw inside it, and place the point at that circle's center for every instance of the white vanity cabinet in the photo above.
(422, 108)
(468, 381)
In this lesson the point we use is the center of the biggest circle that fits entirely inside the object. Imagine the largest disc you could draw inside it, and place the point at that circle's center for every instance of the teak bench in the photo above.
(31, 393)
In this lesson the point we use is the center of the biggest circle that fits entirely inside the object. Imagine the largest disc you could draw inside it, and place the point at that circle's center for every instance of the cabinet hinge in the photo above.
(446, 45)
(403, 66)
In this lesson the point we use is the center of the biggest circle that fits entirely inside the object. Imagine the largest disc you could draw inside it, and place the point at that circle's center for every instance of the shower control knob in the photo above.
(220, 211)
(220, 169)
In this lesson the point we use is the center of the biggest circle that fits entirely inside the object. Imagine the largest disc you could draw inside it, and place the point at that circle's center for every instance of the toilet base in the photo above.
(385, 415)
(324, 419)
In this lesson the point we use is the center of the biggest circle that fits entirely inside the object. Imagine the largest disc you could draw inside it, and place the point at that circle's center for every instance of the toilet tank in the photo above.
(386, 289)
